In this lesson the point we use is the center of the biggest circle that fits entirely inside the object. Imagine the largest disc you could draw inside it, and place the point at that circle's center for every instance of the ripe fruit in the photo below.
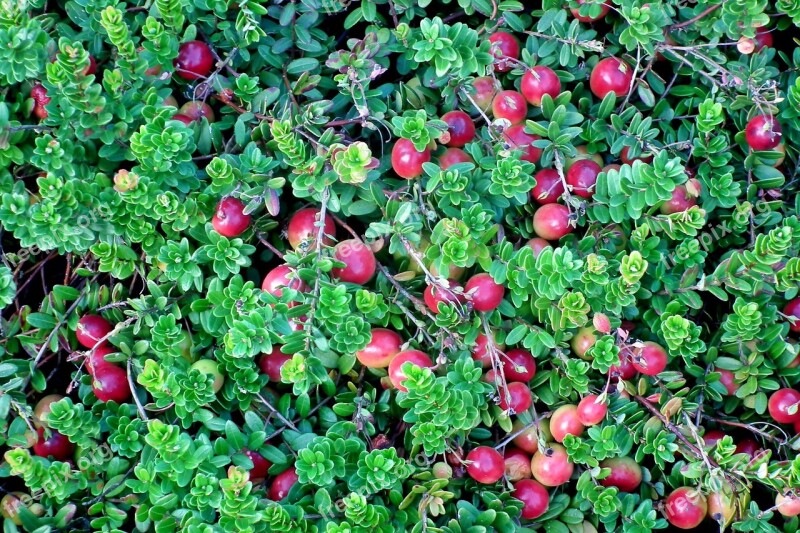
(92, 328)
(538, 244)
(383, 345)
(282, 484)
(510, 105)
(763, 38)
(194, 60)
(452, 156)
(43, 407)
(460, 127)
(518, 365)
(611, 75)
(590, 411)
(582, 341)
(434, 294)
(358, 259)
(484, 293)
(485, 90)
(792, 309)
(552, 466)
(210, 367)
(625, 370)
(685, 508)
(728, 380)
(712, 437)
(279, 277)
(650, 359)
(414, 357)
(229, 219)
(516, 138)
(407, 160)
(551, 222)
(485, 465)
(681, 201)
(110, 383)
(515, 396)
(548, 188)
(55, 445)
(271, 363)
(180, 117)
(626, 474)
(788, 505)
(481, 353)
(623, 156)
(302, 229)
(748, 446)
(763, 132)
(565, 421)
(582, 176)
(517, 464)
(40, 100)
(534, 497)
(538, 82)
(528, 439)
(260, 465)
(197, 110)
(604, 8)
(97, 358)
(784, 406)
(504, 46)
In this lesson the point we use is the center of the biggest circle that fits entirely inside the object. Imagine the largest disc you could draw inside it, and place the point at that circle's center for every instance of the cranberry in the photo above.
(590, 411)
(485, 465)
(279, 277)
(552, 222)
(194, 60)
(538, 82)
(611, 75)
(481, 353)
(110, 383)
(748, 446)
(515, 396)
(505, 46)
(92, 328)
(548, 188)
(681, 201)
(792, 309)
(452, 156)
(358, 259)
(460, 127)
(40, 100)
(197, 110)
(624, 157)
(43, 408)
(302, 229)
(435, 295)
(685, 508)
(582, 341)
(650, 359)
(527, 439)
(56, 445)
(537, 244)
(271, 363)
(510, 105)
(551, 467)
(414, 357)
(581, 153)
(516, 138)
(260, 465)
(780, 404)
(763, 38)
(519, 365)
(565, 421)
(282, 484)
(517, 464)
(485, 294)
(383, 346)
(763, 132)
(626, 474)
(97, 358)
(407, 160)
(534, 497)
(485, 90)
(788, 505)
(91, 68)
(728, 380)
(229, 219)
(582, 176)
(712, 437)
(180, 117)
(625, 370)
(604, 9)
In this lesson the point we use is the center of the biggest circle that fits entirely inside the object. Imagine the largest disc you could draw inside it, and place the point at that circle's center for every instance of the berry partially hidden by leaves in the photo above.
(302, 229)
(552, 221)
(517, 464)
(434, 295)
(598, 13)
(414, 357)
(110, 383)
(383, 346)
(452, 156)
(515, 397)
(516, 138)
(763, 132)
(565, 421)
(650, 359)
(50, 443)
(626, 474)
(211, 368)
(582, 176)
(282, 484)
(548, 188)
(505, 47)
(407, 160)
(484, 293)
(271, 363)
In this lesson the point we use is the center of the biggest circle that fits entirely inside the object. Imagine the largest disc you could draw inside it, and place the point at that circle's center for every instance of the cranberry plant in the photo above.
(399, 265)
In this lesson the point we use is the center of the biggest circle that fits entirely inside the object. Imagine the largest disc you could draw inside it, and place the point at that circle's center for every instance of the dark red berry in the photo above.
(229, 219)
(548, 188)
(55, 445)
(194, 60)
(460, 127)
(110, 383)
(582, 176)
(92, 328)
(611, 75)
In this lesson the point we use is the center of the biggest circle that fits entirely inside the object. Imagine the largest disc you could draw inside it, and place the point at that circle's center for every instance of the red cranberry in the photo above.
(516, 138)
(302, 228)
(685, 508)
(538, 82)
(485, 465)
(452, 156)
(551, 467)
(485, 89)
(604, 9)
(519, 365)
(435, 295)
(272, 362)
(358, 259)
(110, 383)
(279, 277)
(582, 176)
(56, 445)
(196, 110)
(517, 464)
(611, 75)
(537, 244)
(229, 219)
(485, 294)
(407, 160)
(763, 132)
(565, 421)
(748, 446)
(784, 406)
(460, 127)
(625, 370)
(681, 201)
(712, 437)
(515, 396)
(788, 504)
(92, 328)
(551, 222)
(763, 38)
(626, 474)
(590, 411)
(650, 360)
(505, 46)
(728, 380)
(534, 497)
(626, 159)
(792, 309)
(180, 117)
(383, 346)
(282, 484)
(260, 466)
(548, 188)
(194, 60)
(96, 358)
(414, 357)
(510, 105)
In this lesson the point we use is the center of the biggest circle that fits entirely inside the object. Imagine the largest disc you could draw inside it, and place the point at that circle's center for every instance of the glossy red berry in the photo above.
(625, 370)
(534, 497)
(784, 406)
(460, 127)
(517, 464)
(110, 383)
(551, 467)
(548, 188)
(792, 309)
(194, 60)
(485, 465)
(510, 105)
(681, 201)
(302, 229)
(96, 358)
(180, 117)
(582, 176)
(485, 90)
(452, 156)
(551, 222)
(626, 474)
(229, 219)
(728, 380)
(685, 508)
(538, 82)
(407, 160)
(527, 438)
(43, 408)
(505, 46)
(650, 359)
(611, 75)
(40, 100)
(603, 11)
(565, 421)
(763, 38)
(92, 328)
(55, 445)
(197, 110)
(260, 466)
(485, 294)
(272, 362)
(358, 259)
(518, 365)
(582, 341)
(515, 396)
(516, 138)
(480, 352)
(282, 484)
(537, 244)
(414, 357)
(434, 295)
(763, 132)
(282, 277)
(383, 346)
(590, 411)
